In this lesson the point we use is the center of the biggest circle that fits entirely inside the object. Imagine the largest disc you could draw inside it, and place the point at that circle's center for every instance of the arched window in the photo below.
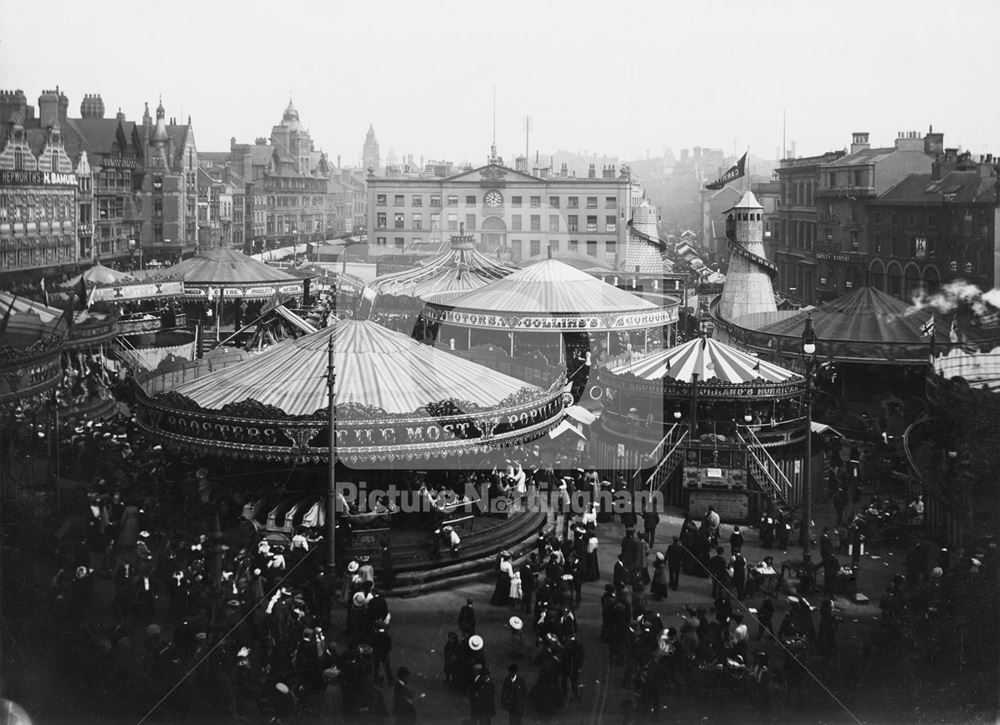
(894, 279)
(932, 279)
(876, 275)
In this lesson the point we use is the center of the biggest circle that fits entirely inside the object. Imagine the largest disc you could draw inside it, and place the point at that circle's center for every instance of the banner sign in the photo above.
(36, 178)
(298, 434)
(555, 322)
(241, 292)
(142, 291)
(732, 507)
(734, 173)
(30, 379)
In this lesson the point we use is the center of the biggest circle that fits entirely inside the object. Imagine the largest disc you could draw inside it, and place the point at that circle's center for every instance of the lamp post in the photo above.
(809, 358)
(331, 494)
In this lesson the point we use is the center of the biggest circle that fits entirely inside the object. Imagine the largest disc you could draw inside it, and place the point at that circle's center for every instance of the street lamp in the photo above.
(809, 358)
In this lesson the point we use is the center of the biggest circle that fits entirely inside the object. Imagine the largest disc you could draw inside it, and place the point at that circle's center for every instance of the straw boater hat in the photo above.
(353, 567)
(516, 624)
(475, 643)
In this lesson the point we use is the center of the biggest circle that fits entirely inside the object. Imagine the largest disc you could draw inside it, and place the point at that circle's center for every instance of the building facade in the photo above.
(795, 227)
(512, 213)
(288, 184)
(39, 200)
(935, 228)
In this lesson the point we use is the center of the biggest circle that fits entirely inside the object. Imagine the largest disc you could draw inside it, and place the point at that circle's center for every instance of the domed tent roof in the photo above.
(865, 315)
(376, 368)
(397, 401)
(543, 293)
(459, 270)
(223, 267)
(99, 275)
(27, 322)
(710, 359)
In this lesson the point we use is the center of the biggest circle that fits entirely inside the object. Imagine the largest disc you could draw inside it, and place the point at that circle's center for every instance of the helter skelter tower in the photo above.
(749, 286)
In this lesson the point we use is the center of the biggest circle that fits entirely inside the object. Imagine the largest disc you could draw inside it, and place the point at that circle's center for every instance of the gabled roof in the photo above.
(476, 174)
(966, 187)
(97, 136)
(864, 156)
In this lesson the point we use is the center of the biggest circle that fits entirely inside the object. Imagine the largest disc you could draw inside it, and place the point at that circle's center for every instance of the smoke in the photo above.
(957, 294)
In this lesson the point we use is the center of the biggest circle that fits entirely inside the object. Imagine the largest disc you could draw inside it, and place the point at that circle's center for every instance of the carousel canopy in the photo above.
(234, 271)
(549, 295)
(31, 338)
(710, 359)
(24, 322)
(866, 315)
(110, 284)
(99, 275)
(376, 368)
(459, 270)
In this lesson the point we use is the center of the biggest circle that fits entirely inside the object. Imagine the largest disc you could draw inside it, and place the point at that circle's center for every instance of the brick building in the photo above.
(933, 228)
(39, 188)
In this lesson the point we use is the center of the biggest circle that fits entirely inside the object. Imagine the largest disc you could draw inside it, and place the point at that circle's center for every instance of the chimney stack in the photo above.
(859, 141)
(592, 172)
(48, 109)
(564, 170)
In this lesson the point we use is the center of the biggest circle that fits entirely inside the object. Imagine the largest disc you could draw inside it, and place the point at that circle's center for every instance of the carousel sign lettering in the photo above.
(26, 379)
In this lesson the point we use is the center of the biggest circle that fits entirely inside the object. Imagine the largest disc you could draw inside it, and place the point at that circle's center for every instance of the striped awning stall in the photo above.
(709, 359)
(375, 367)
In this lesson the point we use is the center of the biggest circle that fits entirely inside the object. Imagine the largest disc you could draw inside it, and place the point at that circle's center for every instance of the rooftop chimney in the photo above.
(48, 109)
(564, 170)
(933, 142)
(859, 141)
(592, 172)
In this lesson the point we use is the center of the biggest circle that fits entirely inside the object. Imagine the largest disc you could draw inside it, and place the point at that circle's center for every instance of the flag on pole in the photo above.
(45, 292)
(953, 332)
(735, 172)
(928, 328)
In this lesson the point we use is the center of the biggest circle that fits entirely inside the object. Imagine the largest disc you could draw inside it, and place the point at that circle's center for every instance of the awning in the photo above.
(824, 428)
(564, 427)
(581, 414)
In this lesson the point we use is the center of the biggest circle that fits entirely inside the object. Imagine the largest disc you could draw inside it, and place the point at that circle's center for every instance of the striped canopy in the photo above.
(709, 359)
(460, 269)
(551, 287)
(223, 267)
(375, 367)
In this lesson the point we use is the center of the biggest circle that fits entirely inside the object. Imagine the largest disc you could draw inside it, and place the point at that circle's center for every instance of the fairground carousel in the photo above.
(31, 340)
(399, 404)
(549, 307)
(407, 417)
(706, 424)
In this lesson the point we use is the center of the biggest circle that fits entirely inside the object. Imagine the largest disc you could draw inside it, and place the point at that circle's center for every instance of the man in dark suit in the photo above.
(402, 699)
(620, 575)
(467, 619)
(482, 697)
(675, 557)
(513, 696)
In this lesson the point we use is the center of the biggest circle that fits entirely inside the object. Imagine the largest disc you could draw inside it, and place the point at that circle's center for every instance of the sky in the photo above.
(620, 79)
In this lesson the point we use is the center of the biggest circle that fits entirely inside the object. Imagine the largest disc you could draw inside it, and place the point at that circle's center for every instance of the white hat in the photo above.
(244, 652)
(475, 643)
(516, 624)
(359, 599)
(976, 562)
(937, 572)
(353, 567)
(282, 688)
